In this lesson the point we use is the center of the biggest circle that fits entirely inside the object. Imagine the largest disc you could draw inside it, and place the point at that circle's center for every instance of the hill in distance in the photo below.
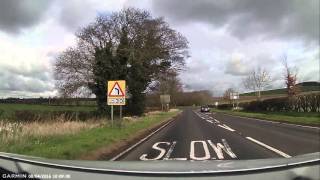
(304, 87)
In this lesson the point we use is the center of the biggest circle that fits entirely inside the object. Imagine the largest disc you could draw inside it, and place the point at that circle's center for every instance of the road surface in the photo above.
(214, 136)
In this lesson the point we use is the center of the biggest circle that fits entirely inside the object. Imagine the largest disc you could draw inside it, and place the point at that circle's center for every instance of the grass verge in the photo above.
(73, 146)
(311, 119)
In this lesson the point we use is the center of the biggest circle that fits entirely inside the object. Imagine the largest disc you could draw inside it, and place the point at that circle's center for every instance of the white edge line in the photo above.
(269, 147)
(274, 122)
(139, 142)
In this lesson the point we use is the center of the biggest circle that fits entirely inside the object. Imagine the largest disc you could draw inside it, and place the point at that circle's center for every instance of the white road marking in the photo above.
(219, 147)
(178, 159)
(216, 149)
(167, 156)
(143, 157)
(269, 147)
(216, 121)
(165, 153)
(228, 149)
(226, 127)
(206, 151)
(210, 121)
(142, 140)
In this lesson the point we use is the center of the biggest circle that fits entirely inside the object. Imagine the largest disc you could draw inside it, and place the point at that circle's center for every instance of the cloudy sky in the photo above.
(228, 38)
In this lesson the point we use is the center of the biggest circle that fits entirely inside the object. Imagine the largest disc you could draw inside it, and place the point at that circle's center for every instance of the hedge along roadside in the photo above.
(301, 103)
(77, 145)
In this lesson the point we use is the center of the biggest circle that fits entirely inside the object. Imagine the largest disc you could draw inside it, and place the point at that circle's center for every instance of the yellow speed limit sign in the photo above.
(117, 92)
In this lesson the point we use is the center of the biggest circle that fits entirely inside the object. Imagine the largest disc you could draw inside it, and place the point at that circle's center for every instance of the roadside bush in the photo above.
(225, 106)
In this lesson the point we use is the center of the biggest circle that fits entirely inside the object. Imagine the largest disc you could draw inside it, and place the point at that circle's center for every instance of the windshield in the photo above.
(159, 80)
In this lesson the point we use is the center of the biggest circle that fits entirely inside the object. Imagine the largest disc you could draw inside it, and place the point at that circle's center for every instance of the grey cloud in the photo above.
(74, 14)
(237, 67)
(245, 18)
(19, 83)
(201, 75)
(31, 81)
(18, 14)
(311, 76)
(36, 72)
(243, 66)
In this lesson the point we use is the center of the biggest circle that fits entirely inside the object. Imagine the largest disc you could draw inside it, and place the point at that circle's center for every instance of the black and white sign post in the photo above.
(234, 96)
(116, 96)
(165, 101)
(112, 115)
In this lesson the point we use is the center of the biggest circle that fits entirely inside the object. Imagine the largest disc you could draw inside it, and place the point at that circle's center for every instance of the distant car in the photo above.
(205, 109)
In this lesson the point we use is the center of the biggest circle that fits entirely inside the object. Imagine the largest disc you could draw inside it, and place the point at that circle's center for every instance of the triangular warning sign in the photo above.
(116, 91)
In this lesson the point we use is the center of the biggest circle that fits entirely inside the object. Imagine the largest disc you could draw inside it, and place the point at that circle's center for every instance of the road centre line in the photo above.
(269, 147)
(226, 127)
(216, 121)
(210, 121)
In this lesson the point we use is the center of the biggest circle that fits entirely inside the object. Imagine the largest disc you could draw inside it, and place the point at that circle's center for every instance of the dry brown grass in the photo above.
(10, 131)
(157, 112)
(58, 128)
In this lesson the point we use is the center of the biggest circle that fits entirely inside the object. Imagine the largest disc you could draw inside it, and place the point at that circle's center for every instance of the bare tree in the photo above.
(167, 83)
(290, 77)
(257, 80)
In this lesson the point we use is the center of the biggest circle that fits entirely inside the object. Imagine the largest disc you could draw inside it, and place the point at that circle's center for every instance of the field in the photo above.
(304, 87)
(7, 110)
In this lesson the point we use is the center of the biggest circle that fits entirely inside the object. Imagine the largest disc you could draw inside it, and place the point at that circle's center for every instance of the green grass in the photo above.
(290, 117)
(73, 146)
(9, 109)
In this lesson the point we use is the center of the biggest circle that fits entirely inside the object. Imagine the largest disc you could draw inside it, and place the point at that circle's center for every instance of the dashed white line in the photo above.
(226, 127)
(210, 121)
(269, 147)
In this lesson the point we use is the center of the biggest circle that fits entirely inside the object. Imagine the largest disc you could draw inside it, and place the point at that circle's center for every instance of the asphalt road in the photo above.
(215, 136)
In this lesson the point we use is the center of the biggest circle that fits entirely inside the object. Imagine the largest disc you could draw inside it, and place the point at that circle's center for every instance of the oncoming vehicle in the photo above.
(205, 109)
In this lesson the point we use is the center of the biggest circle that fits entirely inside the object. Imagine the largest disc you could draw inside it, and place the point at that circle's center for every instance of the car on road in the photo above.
(205, 109)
